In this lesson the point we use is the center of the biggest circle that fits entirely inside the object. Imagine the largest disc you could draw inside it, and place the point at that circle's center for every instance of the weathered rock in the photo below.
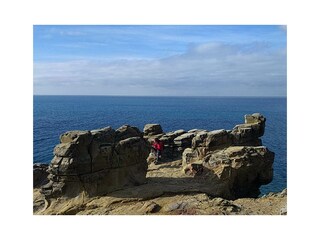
(213, 140)
(171, 151)
(235, 158)
(200, 139)
(179, 132)
(283, 211)
(127, 131)
(249, 132)
(79, 137)
(152, 129)
(167, 191)
(203, 141)
(218, 139)
(151, 138)
(239, 170)
(184, 140)
(224, 163)
(283, 193)
(189, 156)
(195, 130)
(97, 162)
(168, 138)
(40, 174)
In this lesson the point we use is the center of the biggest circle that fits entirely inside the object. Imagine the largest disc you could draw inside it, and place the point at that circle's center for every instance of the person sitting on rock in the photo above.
(157, 145)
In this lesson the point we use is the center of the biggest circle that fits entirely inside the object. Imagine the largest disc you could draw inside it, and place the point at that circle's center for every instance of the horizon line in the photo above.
(100, 95)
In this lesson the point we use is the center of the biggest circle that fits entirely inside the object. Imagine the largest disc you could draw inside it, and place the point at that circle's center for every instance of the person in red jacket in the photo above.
(157, 145)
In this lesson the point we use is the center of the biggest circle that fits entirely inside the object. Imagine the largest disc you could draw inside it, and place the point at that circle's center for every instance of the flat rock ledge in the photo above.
(167, 192)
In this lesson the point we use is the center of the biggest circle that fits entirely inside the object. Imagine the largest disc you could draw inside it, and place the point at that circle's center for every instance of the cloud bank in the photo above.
(210, 69)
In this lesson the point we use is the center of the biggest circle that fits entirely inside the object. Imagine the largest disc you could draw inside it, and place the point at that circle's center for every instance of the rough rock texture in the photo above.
(247, 134)
(40, 174)
(152, 129)
(168, 192)
(236, 153)
(97, 162)
(184, 140)
(239, 170)
(227, 164)
(235, 157)
(171, 150)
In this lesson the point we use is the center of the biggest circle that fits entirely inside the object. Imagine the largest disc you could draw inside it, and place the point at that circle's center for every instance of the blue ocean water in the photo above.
(54, 115)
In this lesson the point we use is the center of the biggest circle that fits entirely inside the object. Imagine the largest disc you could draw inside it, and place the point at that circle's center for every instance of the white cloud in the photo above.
(206, 69)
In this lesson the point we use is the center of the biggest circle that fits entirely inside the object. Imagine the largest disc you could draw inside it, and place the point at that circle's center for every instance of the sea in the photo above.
(54, 115)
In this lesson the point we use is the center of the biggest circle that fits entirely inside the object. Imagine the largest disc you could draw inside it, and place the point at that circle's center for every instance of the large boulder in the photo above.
(249, 133)
(152, 129)
(238, 170)
(212, 140)
(236, 159)
(97, 162)
(184, 140)
(168, 138)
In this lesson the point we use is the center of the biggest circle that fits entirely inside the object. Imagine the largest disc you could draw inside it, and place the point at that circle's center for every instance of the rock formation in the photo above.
(152, 129)
(168, 191)
(40, 174)
(231, 163)
(247, 134)
(221, 163)
(97, 162)
(236, 158)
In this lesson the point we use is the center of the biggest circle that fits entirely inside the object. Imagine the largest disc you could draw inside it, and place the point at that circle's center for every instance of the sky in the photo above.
(160, 60)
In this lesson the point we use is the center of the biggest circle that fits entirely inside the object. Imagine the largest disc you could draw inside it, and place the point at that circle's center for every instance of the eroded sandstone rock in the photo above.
(152, 129)
(235, 158)
(97, 162)
(226, 163)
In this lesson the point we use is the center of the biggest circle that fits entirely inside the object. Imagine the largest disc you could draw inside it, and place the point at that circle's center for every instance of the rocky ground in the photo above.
(168, 191)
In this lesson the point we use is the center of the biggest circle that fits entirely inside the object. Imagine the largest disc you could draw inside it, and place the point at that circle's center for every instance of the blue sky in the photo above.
(160, 60)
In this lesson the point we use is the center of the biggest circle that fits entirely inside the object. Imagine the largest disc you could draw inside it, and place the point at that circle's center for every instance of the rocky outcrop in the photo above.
(235, 158)
(97, 162)
(152, 129)
(168, 191)
(247, 134)
(233, 162)
(40, 174)
(238, 170)
(221, 163)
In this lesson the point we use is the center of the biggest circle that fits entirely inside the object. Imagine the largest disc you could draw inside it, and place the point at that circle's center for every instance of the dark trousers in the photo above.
(158, 153)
